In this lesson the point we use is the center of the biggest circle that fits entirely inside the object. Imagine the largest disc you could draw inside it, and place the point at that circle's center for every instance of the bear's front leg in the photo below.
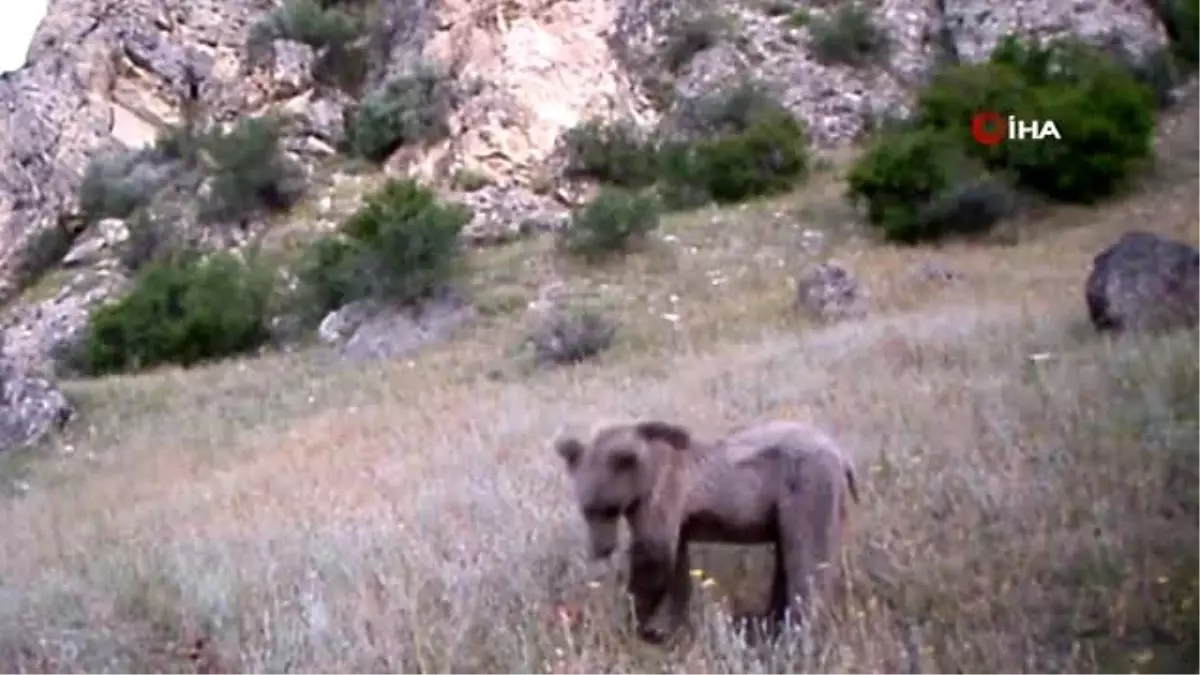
(661, 593)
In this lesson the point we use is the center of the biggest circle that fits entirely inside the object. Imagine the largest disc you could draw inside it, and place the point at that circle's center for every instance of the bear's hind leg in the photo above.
(809, 534)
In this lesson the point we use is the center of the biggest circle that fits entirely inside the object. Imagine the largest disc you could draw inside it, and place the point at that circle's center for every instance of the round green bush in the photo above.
(903, 176)
(401, 246)
(183, 311)
(610, 223)
(1104, 115)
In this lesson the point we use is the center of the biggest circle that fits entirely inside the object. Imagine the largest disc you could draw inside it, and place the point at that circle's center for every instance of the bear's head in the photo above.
(615, 473)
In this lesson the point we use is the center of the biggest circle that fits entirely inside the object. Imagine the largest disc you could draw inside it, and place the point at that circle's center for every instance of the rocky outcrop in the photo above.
(30, 408)
(1144, 281)
(371, 330)
(104, 76)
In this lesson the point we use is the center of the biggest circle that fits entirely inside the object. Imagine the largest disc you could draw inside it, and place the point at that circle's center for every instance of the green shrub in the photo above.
(329, 277)
(730, 111)
(1181, 19)
(900, 178)
(1107, 126)
(401, 246)
(849, 36)
(614, 153)
(1105, 117)
(250, 173)
(186, 311)
(610, 224)
(311, 23)
(409, 108)
(957, 94)
(767, 157)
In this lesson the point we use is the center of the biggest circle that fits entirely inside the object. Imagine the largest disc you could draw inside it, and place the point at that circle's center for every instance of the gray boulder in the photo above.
(1144, 281)
(30, 408)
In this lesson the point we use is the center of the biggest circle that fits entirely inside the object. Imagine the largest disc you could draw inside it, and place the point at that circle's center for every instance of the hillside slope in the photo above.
(1030, 488)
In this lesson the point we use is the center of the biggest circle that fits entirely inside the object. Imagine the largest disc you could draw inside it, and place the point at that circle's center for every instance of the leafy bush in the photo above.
(186, 311)
(614, 153)
(902, 174)
(401, 246)
(849, 36)
(731, 111)
(409, 108)
(767, 157)
(609, 224)
(1105, 116)
(311, 23)
(250, 172)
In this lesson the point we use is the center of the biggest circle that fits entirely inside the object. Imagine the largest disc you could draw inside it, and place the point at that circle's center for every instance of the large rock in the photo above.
(30, 408)
(1144, 281)
(370, 330)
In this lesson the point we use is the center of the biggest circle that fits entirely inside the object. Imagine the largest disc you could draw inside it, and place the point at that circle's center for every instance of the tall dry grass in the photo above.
(1029, 488)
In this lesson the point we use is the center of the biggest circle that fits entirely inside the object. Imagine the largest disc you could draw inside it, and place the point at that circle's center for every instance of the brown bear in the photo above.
(777, 482)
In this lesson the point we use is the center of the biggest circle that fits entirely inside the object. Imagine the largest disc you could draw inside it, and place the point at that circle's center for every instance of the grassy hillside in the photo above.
(1030, 488)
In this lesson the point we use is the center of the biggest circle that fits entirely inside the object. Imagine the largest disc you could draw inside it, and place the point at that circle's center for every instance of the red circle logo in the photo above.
(987, 128)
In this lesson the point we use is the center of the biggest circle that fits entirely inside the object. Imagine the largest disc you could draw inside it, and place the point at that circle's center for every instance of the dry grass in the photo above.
(289, 513)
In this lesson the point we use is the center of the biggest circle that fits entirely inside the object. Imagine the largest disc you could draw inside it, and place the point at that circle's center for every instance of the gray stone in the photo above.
(30, 409)
(1144, 281)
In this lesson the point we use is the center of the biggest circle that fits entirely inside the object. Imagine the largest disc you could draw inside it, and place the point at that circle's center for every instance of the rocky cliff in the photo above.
(104, 75)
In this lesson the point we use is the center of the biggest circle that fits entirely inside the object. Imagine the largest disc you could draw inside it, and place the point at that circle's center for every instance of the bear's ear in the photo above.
(671, 434)
(570, 449)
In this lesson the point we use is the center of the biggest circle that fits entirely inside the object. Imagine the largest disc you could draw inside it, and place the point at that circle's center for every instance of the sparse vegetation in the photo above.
(313, 23)
(848, 35)
(617, 153)
(1030, 495)
(692, 33)
(571, 334)
(728, 147)
(115, 184)
(769, 157)
(185, 311)
(251, 175)
(611, 223)
(409, 108)
(401, 246)
(915, 178)
(47, 249)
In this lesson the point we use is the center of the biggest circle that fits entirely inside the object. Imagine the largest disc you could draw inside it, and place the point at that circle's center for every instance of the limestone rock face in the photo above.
(104, 75)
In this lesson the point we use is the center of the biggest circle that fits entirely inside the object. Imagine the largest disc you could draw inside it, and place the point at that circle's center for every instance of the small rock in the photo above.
(828, 291)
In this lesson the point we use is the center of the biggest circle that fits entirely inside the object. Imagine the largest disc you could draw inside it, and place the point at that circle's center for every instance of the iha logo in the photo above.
(992, 128)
